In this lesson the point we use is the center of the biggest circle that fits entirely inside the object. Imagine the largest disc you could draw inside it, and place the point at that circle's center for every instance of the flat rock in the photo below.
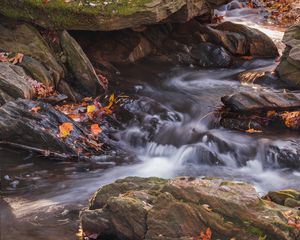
(102, 15)
(153, 208)
(262, 101)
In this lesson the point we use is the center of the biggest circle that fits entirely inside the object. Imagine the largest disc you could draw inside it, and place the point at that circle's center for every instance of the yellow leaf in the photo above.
(65, 129)
(91, 109)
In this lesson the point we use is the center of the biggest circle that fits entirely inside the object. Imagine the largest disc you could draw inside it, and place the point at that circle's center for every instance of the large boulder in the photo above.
(239, 39)
(152, 208)
(289, 67)
(102, 15)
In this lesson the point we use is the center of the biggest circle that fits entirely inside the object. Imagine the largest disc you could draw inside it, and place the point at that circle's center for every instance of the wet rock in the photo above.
(288, 69)
(23, 38)
(14, 83)
(39, 131)
(209, 55)
(102, 15)
(288, 197)
(262, 101)
(153, 208)
(80, 66)
(239, 39)
(37, 71)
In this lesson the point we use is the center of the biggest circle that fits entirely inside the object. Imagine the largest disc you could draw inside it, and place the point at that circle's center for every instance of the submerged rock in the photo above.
(153, 208)
(102, 15)
(289, 67)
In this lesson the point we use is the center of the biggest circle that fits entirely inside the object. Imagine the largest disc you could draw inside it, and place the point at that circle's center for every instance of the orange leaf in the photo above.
(252, 130)
(207, 235)
(17, 59)
(35, 109)
(65, 129)
(95, 129)
(247, 57)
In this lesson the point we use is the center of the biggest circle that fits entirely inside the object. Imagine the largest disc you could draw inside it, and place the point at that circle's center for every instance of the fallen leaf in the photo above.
(90, 109)
(207, 207)
(95, 129)
(247, 57)
(65, 129)
(252, 130)
(35, 109)
(206, 235)
(17, 59)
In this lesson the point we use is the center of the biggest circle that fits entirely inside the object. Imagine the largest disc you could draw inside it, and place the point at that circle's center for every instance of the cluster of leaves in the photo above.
(282, 12)
(205, 235)
(10, 57)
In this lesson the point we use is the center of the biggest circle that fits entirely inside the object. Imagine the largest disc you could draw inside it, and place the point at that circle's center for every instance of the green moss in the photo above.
(59, 14)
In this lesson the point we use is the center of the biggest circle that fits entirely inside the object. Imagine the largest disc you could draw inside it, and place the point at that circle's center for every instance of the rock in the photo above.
(209, 55)
(288, 69)
(262, 101)
(14, 83)
(152, 208)
(239, 39)
(288, 197)
(102, 15)
(38, 131)
(25, 39)
(80, 66)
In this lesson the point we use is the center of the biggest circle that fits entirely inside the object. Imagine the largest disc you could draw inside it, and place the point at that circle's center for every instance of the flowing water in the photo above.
(173, 132)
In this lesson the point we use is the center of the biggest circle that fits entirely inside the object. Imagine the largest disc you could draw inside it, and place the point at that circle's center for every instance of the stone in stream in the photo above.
(152, 208)
(80, 66)
(289, 67)
(102, 15)
(14, 83)
(22, 127)
(246, 102)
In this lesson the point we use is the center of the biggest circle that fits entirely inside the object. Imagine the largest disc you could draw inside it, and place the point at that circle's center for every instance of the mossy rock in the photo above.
(99, 14)
(153, 208)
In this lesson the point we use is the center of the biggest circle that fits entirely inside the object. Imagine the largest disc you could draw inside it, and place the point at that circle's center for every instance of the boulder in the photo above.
(38, 130)
(289, 67)
(80, 66)
(24, 38)
(102, 15)
(153, 208)
(14, 83)
(239, 39)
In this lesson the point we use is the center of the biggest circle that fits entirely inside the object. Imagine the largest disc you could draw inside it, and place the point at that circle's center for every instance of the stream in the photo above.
(173, 132)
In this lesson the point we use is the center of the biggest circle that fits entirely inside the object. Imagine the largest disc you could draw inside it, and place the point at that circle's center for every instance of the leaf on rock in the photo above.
(35, 109)
(17, 59)
(252, 130)
(65, 129)
(95, 129)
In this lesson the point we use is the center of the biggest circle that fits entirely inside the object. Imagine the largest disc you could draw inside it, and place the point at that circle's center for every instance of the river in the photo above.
(173, 132)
